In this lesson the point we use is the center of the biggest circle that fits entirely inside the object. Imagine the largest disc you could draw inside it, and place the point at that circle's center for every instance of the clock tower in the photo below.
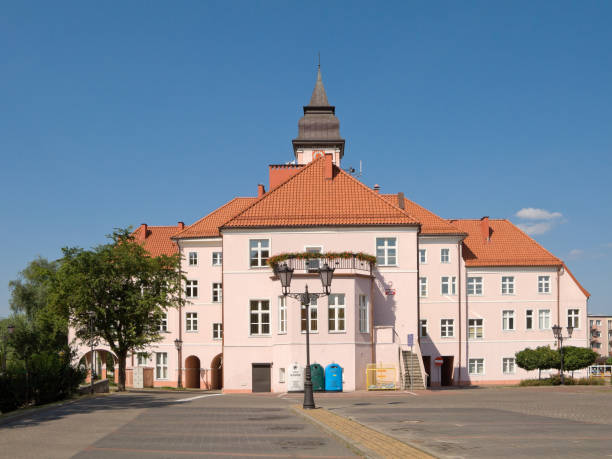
(318, 129)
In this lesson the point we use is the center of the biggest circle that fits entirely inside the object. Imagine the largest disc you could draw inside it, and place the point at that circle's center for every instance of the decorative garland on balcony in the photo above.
(276, 259)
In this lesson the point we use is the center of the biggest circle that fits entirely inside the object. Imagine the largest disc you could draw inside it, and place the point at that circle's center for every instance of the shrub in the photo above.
(555, 380)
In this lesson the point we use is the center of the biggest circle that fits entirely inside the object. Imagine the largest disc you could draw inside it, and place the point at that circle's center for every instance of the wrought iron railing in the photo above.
(300, 265)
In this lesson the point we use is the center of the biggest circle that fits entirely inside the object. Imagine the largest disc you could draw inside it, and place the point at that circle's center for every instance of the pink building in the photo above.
(473, 292)
(600, 333)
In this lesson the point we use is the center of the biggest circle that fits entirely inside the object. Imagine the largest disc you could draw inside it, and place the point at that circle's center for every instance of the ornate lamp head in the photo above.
(556, 331)
(326, 273)
(285, 273)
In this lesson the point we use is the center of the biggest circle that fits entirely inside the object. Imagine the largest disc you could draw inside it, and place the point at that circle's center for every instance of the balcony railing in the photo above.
(300, 265)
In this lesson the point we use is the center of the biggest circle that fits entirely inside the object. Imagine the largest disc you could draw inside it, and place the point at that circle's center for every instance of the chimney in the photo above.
(181, 226)
(261, 190)
(328, 169)
(400, 200)
(142, 235)
(485, 228)
(377, 188)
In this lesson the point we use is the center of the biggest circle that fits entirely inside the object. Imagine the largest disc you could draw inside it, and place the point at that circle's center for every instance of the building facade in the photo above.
(600, 334)
(473, 292)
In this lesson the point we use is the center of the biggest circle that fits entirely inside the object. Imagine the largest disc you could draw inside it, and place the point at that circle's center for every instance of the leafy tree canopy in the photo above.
(527, 359)
(576, 358)
(126, 291)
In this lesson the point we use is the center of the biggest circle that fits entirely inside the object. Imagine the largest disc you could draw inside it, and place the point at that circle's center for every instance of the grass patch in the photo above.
(569, 381)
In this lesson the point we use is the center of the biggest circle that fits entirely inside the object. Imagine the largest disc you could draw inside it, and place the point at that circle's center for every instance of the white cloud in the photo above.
(534, 229)
(531, 213)
(576, 253)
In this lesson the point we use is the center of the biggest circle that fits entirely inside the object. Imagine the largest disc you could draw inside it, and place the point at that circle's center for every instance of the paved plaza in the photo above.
(460, 423)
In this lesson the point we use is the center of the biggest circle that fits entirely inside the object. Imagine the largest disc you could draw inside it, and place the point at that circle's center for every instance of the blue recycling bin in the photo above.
(333, 378)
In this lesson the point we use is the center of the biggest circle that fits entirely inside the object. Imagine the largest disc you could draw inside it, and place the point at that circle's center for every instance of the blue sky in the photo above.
(118, 113)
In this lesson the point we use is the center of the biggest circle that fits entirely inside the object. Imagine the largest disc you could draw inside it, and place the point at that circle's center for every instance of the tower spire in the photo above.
(319, 97)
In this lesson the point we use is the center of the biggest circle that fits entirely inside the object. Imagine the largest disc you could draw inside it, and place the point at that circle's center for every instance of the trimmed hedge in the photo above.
(569, 381)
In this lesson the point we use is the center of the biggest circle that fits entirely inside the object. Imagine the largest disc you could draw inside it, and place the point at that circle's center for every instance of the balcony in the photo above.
(341, 265)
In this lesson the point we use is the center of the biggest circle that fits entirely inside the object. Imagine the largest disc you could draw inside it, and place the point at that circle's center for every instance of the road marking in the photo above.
(196, 397)
(411, 393)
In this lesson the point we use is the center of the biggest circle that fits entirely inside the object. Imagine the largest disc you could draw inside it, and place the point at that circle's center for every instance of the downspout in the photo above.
(418, 327)
(372, 314)
(222, 311)
(180, 349)
(467, 342)
(459, 307)
(559, 296)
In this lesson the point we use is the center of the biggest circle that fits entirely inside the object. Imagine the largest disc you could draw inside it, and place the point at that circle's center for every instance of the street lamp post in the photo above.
(285, 273)
(179, 347)
(558, 333)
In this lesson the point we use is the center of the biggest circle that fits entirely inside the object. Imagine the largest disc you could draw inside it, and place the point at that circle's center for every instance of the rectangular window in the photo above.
(259, 252)
(508, 365)
(217, 258)
(423, 256)
(313, 264)
(163, 324)
(422, 286)
(143, 359)
(507, 285)
(161, 365)
(475, 328)
(364, 326)
(217, 292)
(573, 318)
(474, 285)
(217, 331)
(336, 311)
(598, 322)
(544, 319)
(543, 284)
(191, 321)
(260, 317)
(193, 258)
(444, 255)
(423, 328)
(448, 285)
(447, 328)
(609, 324)
(507, 320)
(529, 319)
(386, 251)
(453, 285)
(312, 311)
(191, 289)
(282, 315)
(476, 366)
(281, 375)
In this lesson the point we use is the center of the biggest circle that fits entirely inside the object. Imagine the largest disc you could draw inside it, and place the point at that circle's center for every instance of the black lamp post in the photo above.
(558, 333)
(285, 273)
(179, 347)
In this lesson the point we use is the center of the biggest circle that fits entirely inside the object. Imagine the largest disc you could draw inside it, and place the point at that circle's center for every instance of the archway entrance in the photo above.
(216, 372)
(104, 363)
(192, 372)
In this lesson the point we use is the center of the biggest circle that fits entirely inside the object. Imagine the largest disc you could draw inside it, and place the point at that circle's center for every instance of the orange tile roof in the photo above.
(157, 240)
(430, 223)
(208, 226)
(508, 246)
(310, 199)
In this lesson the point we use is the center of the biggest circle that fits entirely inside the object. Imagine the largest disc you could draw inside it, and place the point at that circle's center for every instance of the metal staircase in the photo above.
(412, 371)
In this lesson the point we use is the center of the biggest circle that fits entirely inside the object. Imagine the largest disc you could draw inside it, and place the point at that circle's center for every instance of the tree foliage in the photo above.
(126, 291)
(541, 358)
(576, 358)
(527, 359)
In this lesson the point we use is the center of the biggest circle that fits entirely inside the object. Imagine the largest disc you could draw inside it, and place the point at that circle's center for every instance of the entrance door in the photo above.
(446, 371)
(427, 368)
(261, 377)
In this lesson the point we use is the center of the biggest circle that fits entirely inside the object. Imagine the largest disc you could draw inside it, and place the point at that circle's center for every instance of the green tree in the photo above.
(547, 358)
(609, 361)
(125, 290)
(576, 358)
(527, 359)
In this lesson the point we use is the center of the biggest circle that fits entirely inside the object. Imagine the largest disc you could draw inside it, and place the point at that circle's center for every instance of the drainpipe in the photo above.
(459, 307)
(559, 296)
(372, 314)
(180, 349)
(418, 291)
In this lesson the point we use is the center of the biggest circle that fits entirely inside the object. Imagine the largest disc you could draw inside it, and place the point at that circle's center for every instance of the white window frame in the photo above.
(383, 243)
(507, 285)
(573, 318)
(191, 288)
(364, 314)
(314, 268)
(541, 317)
(529, 315)
(423, 287)
(446, 326)
(335, 323)
(544, 285)
(259, 249)
(217, 292)
(161, 366)
(163, 325)
(504, 369)
(313, 310)
(142, 359)
(423, 328)
(474, 327)
(479, 364)
(193, 258)
(508, 322)
(453, 285)
(474, 283)
(282, 315)
(260, 313)
(217, 258)
(217, 331)
(423, 256)
(191, 322)
(445, 258)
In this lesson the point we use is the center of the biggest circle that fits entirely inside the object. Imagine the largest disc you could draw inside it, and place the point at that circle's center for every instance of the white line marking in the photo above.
(411, 393)
(196, 397)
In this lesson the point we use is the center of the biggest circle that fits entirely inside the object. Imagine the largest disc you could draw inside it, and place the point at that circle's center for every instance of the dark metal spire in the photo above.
(319, 98)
